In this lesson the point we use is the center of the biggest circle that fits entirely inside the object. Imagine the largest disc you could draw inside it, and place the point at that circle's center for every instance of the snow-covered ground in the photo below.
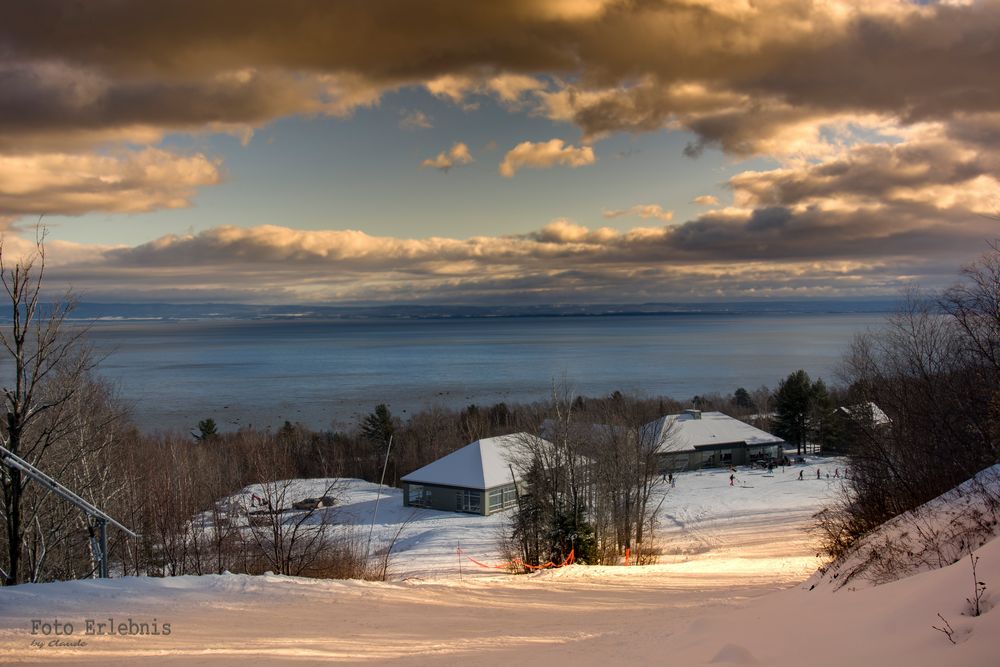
(715, 598)
(756, 525)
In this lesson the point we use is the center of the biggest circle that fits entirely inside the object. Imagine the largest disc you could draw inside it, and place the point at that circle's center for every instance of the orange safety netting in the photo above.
(517, 562)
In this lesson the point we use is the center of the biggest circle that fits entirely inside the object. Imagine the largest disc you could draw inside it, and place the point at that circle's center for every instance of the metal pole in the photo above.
(102, 538)
(16, 462)
(378, 497)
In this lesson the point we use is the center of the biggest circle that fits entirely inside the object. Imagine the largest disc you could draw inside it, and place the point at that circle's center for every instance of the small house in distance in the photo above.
(477, 478)
(855, 423)
(694, 439)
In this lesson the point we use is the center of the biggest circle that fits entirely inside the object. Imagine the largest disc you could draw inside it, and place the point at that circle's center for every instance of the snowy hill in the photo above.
(936, 534)
(720, 598)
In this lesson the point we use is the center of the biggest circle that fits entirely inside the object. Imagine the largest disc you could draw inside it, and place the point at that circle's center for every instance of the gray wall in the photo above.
(444, 498)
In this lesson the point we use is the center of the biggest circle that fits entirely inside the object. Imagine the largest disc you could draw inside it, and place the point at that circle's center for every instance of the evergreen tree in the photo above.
(793, 403)
(378, 429)
(207, 430)
(572, 533)
(823, 424)
(378, 426)
(742, 399)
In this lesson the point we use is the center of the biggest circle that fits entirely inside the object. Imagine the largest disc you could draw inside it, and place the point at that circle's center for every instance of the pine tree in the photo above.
(378, 429)
(207, 430)
(823, 424)
(378, 426)
(741, 398)
(793, 403)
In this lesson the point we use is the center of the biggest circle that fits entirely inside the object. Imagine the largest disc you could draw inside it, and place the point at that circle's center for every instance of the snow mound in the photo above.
(734, 654)
(936, 534)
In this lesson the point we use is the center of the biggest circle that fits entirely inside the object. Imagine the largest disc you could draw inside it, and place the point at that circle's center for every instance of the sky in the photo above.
(570, 151)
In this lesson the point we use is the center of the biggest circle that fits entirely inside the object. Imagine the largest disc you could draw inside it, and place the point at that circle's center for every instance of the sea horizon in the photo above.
(253, 366)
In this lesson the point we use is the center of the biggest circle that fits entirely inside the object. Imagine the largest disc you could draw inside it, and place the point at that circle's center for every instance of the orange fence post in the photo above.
(627, 552)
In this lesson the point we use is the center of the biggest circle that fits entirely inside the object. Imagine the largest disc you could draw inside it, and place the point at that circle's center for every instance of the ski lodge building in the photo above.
(479, 478)
(695, 439)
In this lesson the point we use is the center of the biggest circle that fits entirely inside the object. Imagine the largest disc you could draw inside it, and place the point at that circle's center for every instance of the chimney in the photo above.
(694, 414)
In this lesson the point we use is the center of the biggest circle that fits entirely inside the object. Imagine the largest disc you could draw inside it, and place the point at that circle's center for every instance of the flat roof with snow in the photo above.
(693, 430)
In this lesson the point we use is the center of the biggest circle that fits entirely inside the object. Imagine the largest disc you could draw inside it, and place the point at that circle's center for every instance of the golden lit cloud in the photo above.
(777, 250)
(644, 211)
(445, 160)
(883, 117)
(122, 182)
(543, 155)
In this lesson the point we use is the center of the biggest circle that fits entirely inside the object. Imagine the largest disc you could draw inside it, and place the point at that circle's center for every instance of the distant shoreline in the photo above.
(163, 312)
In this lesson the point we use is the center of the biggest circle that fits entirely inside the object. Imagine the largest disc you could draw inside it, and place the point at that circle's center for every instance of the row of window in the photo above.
(501, 499)
(468, 501)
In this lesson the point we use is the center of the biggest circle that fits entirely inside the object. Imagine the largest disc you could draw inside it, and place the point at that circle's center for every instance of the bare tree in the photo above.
(974, 304)
(48, 364)
(551, 520)
(288, 542)
(933, 370)
(625, 450)
(591, 481)
(84, 455)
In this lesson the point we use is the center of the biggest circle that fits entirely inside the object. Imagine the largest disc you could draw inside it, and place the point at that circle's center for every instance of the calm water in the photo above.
(321, 372)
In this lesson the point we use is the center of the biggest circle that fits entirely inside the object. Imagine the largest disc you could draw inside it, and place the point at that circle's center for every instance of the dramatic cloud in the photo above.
(445, 160)
(940, 173)
(123, 182)
(543, 155)
(706, 200)
(51, 104)
(704, 65)
(883, 117)
(774, 250)
(644, 211)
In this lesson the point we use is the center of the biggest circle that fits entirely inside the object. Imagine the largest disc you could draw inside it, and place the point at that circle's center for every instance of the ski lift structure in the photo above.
(98, 516)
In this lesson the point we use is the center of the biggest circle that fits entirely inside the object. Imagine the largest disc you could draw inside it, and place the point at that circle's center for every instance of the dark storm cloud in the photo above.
(787, 57)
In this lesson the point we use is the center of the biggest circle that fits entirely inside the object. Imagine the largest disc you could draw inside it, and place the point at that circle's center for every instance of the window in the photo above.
(469, 501)
(419, 496)
(502, 498)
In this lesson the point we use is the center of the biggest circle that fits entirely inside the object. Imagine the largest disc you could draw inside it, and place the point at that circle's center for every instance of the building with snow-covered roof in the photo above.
(855, 423)
(694, 439)
(867, 413)
(480, 478)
